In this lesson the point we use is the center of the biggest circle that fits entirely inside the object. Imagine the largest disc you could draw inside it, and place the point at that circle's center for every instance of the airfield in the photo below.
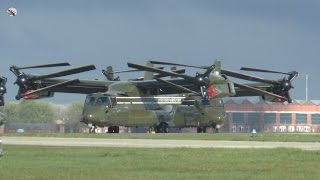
(160, 156)
(153, 143)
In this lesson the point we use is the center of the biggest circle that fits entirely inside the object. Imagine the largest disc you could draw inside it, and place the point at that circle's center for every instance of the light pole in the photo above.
(307, 84)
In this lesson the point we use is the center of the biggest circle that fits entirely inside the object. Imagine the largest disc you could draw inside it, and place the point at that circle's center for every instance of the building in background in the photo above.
(299, 116)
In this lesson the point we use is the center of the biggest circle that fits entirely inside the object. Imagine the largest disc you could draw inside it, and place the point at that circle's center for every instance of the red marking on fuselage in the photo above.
(212, 92)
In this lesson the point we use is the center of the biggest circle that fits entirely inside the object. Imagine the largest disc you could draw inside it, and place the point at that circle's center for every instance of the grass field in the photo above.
(287, 137)
(32, 162)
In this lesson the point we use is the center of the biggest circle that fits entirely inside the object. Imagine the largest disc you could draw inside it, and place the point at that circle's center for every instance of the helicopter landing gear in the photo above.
(201, 129)
(162, 128)
(113, 129)
(92, 129)
(152, 130)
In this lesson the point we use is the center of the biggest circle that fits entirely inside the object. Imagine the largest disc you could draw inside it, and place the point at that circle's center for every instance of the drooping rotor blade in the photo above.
(51, 87)
(293, 74)
(45, 65)
(162, 72)
(263, 70)
(176, 64)
(178, 86)
(131, 70)
(208, 71)
(179, 71)
(247, 77)
(1, 100)
(122, 71)
(259, 91)
(157, 75)
(288, 96)
(65, 73)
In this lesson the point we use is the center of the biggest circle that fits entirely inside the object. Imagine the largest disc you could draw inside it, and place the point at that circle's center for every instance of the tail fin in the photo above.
(149, 75)
(217, 66)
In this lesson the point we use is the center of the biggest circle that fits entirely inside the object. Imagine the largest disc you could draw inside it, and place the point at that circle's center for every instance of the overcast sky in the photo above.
(280, 35)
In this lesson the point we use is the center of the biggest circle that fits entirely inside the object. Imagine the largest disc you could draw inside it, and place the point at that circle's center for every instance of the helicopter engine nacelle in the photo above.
(39, 95)
(272, 99)
(124, 88)
(222, 86)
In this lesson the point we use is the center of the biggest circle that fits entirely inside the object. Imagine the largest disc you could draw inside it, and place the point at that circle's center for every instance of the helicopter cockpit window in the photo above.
(103, 101)
(90, 100)
(113, 101)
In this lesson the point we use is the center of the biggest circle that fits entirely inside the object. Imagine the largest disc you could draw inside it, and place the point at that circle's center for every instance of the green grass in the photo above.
(34, 162)
(186, 136)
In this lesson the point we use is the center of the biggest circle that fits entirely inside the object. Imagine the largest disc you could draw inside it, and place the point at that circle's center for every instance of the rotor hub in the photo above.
(202, 80)
(3, 90)
(22, 81)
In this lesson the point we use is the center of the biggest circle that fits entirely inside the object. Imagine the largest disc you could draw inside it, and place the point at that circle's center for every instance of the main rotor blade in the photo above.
(208, 71)
(263, 70)
(259, 91)
(288, 96)
(51, 87)
(179, 71)
(293, 74)
(247, 77)
(122, 71)
(131, 70)
(161, 72)
(1, 100)
(176, 64)
(178, 86)
(65, 73)
(45, 65)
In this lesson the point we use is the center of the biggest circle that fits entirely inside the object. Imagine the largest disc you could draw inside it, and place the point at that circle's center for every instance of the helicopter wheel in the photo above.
(92, 129)
(157, 129)
(166, 128)
(113, 129)
(204, 130)
(162, 128)
(201, 129)
(116, 129)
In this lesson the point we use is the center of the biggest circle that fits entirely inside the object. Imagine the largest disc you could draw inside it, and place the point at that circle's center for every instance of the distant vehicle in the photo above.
(20, 130)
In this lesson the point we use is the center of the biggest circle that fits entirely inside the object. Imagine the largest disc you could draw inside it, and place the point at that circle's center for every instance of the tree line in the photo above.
(43, 112)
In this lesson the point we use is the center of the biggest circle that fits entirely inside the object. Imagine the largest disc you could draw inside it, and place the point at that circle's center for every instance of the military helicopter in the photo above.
(157, 103)
(3, 89)
(44, 86)
(281, 87)
(188, 101)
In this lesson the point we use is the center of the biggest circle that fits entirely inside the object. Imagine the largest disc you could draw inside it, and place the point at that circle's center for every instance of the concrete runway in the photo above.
(149, 143)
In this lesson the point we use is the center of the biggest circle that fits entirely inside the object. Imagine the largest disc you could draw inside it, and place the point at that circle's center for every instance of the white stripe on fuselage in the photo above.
(149, 100)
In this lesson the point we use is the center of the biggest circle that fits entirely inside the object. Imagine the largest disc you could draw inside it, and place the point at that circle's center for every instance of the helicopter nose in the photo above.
(87, 118)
